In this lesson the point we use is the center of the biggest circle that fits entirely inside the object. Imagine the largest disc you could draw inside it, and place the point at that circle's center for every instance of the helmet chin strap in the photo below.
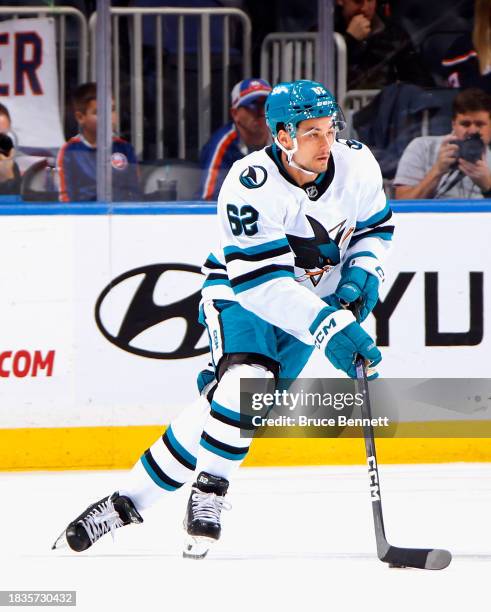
(289, 156)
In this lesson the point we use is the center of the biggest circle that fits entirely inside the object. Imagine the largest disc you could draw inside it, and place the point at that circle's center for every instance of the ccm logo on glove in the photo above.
(342, 339)
(322, 333)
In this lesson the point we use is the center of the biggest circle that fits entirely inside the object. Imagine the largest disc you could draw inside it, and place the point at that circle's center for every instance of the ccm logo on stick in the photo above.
(26, 363)
(373, 478)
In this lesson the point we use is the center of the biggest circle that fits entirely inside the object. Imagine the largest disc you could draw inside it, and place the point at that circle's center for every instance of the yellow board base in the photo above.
(82, 448)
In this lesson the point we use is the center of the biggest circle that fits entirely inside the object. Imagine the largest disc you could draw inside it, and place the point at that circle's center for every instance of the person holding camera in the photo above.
(457, 165)
(9, 171)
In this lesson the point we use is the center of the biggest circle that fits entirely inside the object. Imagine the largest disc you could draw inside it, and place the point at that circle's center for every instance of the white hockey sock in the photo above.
(170, 461)
(222, 448)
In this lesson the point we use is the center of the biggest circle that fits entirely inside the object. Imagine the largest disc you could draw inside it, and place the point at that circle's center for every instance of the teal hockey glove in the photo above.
(360, 279)
(337, 333)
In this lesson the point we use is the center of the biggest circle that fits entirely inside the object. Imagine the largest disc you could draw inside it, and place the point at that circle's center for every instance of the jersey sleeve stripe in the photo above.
(213, 258)
(263, 279)
(259, 248)
(385, 233)
(216, 281)
(259, 272)
(380, 217)
(213, 264)
(216, 160)
(258, 256)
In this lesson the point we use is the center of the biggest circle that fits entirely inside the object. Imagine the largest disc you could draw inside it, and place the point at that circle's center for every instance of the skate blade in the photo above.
(197, 547)
(60, 542)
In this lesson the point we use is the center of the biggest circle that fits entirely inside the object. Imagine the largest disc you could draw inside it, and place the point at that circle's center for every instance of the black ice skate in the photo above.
(202, 520)
(102, 517)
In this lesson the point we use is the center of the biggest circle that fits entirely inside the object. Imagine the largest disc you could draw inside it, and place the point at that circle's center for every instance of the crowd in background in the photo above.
(429, 126)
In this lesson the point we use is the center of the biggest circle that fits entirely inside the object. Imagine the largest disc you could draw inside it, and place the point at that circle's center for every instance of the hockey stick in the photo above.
(421, 558)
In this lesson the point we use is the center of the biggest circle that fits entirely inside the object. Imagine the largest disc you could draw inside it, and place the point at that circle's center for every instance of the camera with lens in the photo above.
(6, 144)
(470, 148)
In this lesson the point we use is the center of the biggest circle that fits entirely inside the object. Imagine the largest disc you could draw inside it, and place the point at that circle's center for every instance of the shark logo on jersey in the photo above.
(253, 177)
(318, 255)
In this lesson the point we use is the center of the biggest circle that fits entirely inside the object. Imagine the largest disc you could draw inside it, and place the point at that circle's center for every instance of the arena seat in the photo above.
(40, 182)
(170, 180)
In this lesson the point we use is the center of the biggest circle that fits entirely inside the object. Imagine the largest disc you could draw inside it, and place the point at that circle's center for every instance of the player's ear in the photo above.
(79, 116)
(285, 139)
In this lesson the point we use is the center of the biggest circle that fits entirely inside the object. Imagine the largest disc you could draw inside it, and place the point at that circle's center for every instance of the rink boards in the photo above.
(100, 346)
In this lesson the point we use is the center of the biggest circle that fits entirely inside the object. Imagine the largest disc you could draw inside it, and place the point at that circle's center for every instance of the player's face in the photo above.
(351, 8)
(251, 123)
(477, 122)
(315, 138)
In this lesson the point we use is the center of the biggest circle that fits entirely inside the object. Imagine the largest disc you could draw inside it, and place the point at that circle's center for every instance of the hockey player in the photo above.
(304, 230)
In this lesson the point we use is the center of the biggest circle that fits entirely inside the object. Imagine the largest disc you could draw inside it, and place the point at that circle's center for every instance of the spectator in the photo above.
(9, 171)
(468, 61)
(379, 52)
(77, 163)
(433, 166)
(246, 132)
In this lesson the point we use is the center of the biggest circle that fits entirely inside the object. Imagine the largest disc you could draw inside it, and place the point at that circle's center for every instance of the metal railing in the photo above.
(287, 56)
(204, 93)
(60, 14)
(284, 57)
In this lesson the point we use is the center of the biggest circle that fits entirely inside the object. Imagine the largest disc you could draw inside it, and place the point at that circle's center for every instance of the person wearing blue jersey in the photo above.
(304, 230)
(246, 132)
(77, 158)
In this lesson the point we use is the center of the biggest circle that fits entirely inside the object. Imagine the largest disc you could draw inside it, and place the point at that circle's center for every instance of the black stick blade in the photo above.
(420, 558)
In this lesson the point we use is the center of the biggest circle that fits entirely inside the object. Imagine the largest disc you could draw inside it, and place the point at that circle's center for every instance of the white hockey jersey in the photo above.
(282, 246)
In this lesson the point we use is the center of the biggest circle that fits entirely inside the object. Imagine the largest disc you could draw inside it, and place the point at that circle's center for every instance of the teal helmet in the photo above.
(290, 103)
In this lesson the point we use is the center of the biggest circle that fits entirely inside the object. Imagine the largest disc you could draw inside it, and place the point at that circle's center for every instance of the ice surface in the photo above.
(296, 539)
